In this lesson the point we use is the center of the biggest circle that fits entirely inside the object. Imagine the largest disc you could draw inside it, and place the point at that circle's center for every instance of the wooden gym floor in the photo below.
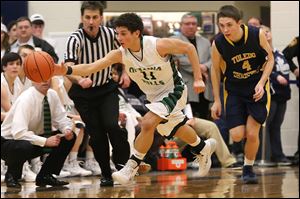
(275, 182)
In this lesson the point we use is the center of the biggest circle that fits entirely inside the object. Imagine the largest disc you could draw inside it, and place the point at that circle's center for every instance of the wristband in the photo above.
(69, 70)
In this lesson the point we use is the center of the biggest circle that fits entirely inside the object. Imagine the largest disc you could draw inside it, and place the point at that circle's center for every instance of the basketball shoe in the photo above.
(248, 176)
(126, 174)
(204, 157)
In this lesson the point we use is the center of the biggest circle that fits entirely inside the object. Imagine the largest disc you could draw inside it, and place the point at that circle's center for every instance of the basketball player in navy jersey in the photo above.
(244, 56)
(148, 62)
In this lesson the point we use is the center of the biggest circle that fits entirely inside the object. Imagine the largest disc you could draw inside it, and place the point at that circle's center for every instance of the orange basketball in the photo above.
(39, 66)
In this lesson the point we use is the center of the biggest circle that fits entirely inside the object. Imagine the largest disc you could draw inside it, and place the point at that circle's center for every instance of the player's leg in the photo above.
(142, 144)
(251, 148)
(202, 149)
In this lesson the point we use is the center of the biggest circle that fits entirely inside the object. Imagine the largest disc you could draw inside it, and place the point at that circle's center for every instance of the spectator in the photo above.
(12, 32)
(280, 94)
(23, 81)
(38, 26)
(11, 64)
(25, 36)
(254, 21)
(291, 51)
(90, 167)
(4, 40)
(199, 102)
(25, 134)
(207, 129)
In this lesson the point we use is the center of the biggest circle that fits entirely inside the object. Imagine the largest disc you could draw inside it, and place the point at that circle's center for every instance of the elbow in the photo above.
(190, 48)
(17, 136)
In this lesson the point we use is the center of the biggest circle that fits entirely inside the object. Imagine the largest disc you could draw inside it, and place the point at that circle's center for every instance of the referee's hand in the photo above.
(85, 82)
(124, 80)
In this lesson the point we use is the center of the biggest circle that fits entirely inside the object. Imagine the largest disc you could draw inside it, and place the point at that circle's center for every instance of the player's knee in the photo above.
(252, 137)
(147, 126)
(237, 137)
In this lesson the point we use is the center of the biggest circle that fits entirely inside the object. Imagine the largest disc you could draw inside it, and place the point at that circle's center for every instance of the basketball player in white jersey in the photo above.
(147, 61)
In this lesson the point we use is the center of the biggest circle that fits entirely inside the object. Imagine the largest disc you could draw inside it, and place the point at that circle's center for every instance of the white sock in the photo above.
(35, 160)
(138, 154)
(89, 155)
(73, 156)
(197, 142)
(248, 162)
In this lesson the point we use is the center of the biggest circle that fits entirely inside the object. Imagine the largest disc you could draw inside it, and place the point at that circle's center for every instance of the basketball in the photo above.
(39, 66)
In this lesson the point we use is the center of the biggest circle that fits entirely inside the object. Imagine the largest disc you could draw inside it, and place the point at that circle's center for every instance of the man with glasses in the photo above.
(188, 33)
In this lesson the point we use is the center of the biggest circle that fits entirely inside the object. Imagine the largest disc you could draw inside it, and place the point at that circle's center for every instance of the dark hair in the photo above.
(11, 24)
(131, 21)
(257, 18)
(26, 46)
(91, 5)
(23, 19)
(229, 11)
(38, 22)
(9, 57)
(5, 42)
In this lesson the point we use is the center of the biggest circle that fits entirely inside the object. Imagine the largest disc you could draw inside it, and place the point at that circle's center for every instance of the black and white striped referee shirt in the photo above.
(82, 49)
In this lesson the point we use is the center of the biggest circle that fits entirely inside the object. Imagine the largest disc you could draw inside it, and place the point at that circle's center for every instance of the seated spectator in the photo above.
(26, 133)
(12, 32)
(23, 81)
(207, 129)
(11, 65)
(71, 166)
(4, 40)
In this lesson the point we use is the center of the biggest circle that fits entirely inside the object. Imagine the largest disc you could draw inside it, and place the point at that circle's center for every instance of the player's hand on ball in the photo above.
(60, 69)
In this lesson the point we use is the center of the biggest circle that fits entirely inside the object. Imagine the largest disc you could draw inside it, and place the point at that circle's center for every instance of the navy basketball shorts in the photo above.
(238, 108)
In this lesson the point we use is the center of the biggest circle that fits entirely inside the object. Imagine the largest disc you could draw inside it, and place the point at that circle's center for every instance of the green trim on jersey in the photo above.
(171, 101)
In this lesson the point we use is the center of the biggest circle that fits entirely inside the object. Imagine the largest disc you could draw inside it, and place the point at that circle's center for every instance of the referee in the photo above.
(95, 96)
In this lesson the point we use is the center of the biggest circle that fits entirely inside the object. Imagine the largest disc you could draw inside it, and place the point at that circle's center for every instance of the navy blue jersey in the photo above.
(245, 61)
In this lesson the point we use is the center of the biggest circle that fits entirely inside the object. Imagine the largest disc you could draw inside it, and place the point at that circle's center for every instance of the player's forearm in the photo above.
(215, 80)
(87, 69)
(194, 60)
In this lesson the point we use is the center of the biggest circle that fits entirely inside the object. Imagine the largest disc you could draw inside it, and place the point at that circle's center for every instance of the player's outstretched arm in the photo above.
(114, 56)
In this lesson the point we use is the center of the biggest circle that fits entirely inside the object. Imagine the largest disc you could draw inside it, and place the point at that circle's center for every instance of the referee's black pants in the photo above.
(16, 152)
(100, 113)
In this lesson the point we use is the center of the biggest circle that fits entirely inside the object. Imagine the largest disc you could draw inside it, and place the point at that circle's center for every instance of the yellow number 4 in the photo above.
(246, 65)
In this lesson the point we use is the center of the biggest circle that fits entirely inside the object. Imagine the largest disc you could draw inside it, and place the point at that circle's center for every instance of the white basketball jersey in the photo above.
(12, 97)
(156, 76)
